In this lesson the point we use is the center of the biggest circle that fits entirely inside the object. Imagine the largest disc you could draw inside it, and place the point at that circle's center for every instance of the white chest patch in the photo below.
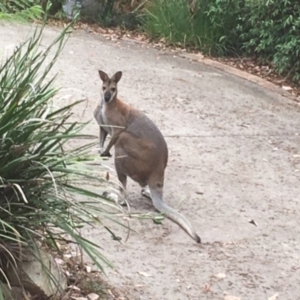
(103, 109)
(104, 119)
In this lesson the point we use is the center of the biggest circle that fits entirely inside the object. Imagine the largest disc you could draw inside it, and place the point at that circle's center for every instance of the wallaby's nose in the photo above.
(107, 96)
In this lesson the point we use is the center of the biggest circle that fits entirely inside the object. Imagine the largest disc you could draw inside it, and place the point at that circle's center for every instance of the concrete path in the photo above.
(234, 157)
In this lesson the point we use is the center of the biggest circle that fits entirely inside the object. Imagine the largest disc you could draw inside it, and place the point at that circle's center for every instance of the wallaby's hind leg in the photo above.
(123, 182)
(102, 138)
(121, 197)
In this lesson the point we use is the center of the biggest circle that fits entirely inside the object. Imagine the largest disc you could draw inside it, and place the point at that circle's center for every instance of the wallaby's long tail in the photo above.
(157, 200)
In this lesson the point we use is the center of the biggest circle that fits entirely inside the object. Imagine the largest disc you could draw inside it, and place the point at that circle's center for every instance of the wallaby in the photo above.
(141, 151)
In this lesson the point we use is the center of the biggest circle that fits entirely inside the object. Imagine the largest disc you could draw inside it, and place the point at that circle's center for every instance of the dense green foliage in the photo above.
(21, 10)
(208, 25)
(274, 34)
(27, 10)
(267, 29)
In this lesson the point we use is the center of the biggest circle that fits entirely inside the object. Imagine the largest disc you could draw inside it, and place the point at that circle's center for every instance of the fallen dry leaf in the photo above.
(274, 297)
(93, 296)
(73, 287)
(229, 297)
(144, 274)
(59, 261)
(253, 222)
(286, 88)
(207, 288)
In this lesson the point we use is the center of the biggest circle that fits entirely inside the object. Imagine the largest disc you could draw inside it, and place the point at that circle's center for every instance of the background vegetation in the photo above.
(21, 10)
(265, 29)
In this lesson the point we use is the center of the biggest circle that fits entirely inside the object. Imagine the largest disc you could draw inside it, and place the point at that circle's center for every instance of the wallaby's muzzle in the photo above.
(107, 96)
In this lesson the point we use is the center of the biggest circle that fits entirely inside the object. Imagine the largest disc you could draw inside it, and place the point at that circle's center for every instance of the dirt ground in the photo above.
(234, 157)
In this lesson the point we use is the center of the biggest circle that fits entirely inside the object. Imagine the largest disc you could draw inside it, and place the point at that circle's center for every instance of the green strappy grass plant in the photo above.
(48, 189)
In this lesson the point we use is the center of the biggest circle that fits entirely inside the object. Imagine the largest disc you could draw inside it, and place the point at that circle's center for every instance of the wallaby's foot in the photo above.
(111, 196)
(115, 197)
(105, 154)
(146, 192)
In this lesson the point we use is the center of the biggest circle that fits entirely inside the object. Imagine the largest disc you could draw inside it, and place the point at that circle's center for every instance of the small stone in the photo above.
(287, 88)
(220, 275)
(33, 272)
(229, 297)
(88, 269)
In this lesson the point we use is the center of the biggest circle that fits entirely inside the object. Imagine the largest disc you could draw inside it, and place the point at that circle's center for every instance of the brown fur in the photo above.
(140, 149)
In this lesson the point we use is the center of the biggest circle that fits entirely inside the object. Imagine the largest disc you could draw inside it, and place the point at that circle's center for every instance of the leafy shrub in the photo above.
(55, 8)
(27, 10)
(210, 25)
(113, 13)
(170, 20)
(42, 176)
(21, 10)
(226, 22)
(273, 33)
(268, 29)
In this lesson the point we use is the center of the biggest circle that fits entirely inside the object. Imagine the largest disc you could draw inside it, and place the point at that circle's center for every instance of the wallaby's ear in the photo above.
(117, 76)
(104, 77)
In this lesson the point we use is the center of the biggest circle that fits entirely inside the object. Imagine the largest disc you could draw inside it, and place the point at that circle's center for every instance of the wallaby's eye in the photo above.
(113, 89)
(103, 88)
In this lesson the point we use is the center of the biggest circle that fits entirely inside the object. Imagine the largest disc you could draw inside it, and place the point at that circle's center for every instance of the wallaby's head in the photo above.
(110, 85)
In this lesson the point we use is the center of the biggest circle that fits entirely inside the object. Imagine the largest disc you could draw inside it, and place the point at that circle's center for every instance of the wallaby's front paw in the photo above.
(105, 154)
(111, 196)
